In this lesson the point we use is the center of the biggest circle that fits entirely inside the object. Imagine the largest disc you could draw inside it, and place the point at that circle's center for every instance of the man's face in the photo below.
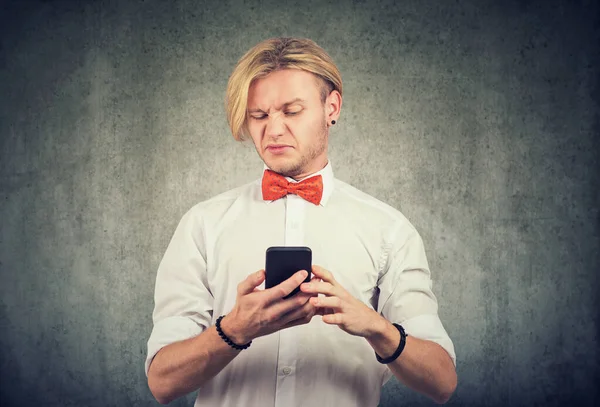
(287, 122)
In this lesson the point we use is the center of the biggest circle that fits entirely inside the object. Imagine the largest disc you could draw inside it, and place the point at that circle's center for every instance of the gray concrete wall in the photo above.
(477, 119)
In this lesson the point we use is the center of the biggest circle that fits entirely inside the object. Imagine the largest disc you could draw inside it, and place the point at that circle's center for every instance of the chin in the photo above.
(287, 168)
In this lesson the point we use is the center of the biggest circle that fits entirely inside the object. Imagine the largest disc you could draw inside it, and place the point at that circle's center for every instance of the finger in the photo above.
(286, 287)
(251, 282)
(333, 319)
(319, 287)
(281, 307)
(325, 275)
(315, 280)
(300, 315)
(334, 303)
(324, 311)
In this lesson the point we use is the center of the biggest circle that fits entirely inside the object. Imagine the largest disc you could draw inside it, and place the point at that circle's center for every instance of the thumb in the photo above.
(251, 282)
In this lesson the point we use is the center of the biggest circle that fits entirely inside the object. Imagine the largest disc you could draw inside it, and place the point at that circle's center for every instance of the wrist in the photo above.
(399, 349)
(380, 328)
(385, 338)
(232, 329)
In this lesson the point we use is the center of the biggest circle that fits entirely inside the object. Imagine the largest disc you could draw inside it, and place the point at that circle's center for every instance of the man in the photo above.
(334, 342)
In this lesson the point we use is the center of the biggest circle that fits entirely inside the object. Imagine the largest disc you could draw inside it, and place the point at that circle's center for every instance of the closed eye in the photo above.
(261, 117)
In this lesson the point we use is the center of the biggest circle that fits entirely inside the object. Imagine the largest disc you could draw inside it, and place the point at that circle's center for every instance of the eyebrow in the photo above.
(286, 104)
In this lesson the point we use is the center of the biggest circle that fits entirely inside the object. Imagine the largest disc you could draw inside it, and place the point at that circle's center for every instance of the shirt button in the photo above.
(287, 370)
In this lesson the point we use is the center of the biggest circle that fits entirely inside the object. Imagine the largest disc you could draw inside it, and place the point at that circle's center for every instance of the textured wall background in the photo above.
(481, 115)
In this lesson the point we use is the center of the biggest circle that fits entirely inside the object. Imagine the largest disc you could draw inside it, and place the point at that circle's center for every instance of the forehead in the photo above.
(282, 86)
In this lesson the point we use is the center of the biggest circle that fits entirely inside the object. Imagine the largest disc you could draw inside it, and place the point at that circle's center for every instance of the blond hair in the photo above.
(273, 55)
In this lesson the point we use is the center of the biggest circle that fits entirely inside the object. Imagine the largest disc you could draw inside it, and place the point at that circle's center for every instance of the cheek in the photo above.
(257, 144)
(255, 130)
(301, 126)
(308, 129)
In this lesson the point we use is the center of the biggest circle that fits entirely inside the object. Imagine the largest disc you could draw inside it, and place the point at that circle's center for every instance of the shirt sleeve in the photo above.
(183, 300)
(405, 289)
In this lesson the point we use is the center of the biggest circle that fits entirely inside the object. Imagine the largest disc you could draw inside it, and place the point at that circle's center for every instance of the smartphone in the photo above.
(282, 262)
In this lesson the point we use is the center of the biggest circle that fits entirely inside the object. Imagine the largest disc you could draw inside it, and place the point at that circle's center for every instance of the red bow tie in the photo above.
(275, 186)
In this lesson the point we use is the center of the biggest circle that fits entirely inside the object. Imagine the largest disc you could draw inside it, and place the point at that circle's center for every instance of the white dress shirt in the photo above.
(371, 249)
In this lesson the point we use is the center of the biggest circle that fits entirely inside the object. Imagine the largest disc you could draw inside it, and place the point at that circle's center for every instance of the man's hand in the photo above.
(339, 307)
(261, 312)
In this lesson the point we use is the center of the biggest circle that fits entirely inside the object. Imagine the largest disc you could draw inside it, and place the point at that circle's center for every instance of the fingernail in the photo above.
(304, 273)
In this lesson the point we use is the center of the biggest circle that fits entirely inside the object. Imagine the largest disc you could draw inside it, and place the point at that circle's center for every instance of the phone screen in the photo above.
(282, 262)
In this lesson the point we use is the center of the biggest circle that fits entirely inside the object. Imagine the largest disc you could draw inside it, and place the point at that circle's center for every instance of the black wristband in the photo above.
(226, 339)
(403, 336)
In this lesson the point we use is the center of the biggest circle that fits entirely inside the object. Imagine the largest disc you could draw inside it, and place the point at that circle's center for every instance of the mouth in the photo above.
(278, 148)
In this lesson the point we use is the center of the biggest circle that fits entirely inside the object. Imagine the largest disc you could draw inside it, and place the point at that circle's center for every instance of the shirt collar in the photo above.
(326, 173)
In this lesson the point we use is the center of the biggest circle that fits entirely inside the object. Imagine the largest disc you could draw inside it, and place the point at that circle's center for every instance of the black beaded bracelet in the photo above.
(226, 339)
(403, 336)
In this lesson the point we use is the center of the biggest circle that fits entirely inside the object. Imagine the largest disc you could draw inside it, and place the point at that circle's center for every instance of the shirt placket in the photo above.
(285, 394)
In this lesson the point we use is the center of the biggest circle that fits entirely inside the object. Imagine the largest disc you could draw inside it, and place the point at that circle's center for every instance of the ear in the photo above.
(333, 106)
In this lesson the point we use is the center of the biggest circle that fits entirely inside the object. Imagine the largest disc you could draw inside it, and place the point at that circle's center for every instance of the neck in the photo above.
(306, 175)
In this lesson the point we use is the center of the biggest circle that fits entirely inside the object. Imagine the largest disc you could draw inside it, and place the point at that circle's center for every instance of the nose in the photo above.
(275, 125)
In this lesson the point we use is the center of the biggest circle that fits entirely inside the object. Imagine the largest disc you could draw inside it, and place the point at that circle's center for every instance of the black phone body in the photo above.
(282, 262)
